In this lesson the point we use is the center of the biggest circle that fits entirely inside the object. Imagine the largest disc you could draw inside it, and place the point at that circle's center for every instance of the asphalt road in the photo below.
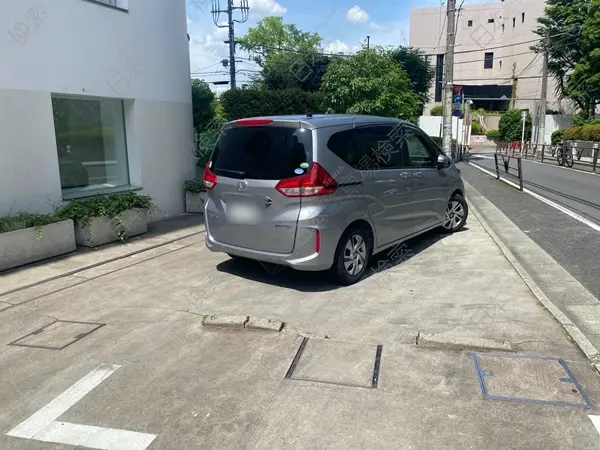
(571, 243)
(577, 191)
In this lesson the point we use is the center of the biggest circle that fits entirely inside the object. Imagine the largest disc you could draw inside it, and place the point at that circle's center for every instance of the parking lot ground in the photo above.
(117, 354)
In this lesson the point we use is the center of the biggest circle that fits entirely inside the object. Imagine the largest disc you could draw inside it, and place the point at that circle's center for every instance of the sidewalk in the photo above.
(194, 386)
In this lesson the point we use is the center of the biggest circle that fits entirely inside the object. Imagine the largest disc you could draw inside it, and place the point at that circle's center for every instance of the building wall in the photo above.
(483, 36)
(79, 47)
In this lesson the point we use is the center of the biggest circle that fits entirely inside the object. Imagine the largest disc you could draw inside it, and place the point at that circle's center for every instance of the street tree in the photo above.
(562, 23)
(420, 71)
(202, 104)
(511, 126)
(370, 82)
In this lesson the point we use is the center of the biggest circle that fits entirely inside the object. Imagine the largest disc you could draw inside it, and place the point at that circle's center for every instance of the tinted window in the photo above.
(419, 153)
(488, 61)
(380, 150)
(261, 153)
(344, 146)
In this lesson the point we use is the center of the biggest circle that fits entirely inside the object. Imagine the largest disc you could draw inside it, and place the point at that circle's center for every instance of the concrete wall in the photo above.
(431, 125)
(78, 47)
(428, 32)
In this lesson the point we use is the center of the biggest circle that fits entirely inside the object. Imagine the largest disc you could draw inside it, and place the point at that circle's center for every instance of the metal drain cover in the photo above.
(57, 335)
(530, 379)
(336, 362)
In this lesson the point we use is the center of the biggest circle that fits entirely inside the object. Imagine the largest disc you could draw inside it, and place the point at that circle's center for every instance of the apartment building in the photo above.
(94, 98)
(493, 43)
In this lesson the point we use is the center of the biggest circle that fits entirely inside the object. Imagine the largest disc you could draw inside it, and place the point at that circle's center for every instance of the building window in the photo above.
(490, 20)
(469, 23)
(488, 62)
(91, 143)
(514, 22)
(439, 77)
(522, 17)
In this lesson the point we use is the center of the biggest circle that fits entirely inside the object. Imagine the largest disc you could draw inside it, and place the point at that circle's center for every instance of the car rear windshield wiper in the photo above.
(238, 173)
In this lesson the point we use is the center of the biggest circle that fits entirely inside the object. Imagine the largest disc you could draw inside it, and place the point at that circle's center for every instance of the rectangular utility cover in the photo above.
(57, 335)
(337, 362)
(531, 379)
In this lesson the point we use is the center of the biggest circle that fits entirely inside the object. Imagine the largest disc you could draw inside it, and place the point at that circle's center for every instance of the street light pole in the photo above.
(544, 103)
(449, 77)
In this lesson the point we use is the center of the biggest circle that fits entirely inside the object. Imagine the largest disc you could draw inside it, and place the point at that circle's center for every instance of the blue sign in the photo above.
(458, 98)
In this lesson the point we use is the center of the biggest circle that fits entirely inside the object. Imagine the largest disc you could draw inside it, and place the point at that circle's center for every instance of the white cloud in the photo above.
(266, 8)
(357, 14)
(338, 46)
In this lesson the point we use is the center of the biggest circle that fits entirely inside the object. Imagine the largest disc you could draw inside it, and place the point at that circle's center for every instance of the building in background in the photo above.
(94, 98)
(493, 42)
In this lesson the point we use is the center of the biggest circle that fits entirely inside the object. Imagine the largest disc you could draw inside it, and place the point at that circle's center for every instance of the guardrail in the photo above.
(585, 156)
(506, 159)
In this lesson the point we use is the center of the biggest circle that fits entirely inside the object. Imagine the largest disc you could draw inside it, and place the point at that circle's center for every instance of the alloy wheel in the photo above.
(355, 255)
(455, 213)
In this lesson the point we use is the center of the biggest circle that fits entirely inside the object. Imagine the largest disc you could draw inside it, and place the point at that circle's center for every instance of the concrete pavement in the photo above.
(183, 385)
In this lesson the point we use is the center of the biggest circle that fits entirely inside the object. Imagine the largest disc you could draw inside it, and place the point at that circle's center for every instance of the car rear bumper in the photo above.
(309, 261)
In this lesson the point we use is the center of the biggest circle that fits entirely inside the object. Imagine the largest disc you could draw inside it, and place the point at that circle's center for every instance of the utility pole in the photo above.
(544, 102)
(515, 82)
(216, 12)
(449, 77)
(368, 42)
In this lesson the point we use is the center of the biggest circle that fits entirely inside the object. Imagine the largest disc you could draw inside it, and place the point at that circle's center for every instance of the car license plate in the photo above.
(243, 214)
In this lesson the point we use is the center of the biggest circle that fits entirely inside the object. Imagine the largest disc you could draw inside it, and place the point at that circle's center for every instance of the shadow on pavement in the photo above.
(289, 278)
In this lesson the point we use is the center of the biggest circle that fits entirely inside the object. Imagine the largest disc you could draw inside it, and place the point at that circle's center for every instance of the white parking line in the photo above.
(42, 426)
(549, 202)
(596, 421)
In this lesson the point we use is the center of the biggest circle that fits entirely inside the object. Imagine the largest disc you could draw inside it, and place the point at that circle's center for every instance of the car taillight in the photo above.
(317, 241)
(313, 183)
(209, 178)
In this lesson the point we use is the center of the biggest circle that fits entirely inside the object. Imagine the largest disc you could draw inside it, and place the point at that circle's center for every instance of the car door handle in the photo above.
(404, 174)
(418, 174)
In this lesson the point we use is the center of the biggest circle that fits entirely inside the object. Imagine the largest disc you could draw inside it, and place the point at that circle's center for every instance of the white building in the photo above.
(493, 43)
(94, 98)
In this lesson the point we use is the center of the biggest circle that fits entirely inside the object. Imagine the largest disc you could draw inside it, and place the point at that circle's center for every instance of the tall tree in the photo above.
(420, 71)
(370, 82)
(202, 103)
(562, 22)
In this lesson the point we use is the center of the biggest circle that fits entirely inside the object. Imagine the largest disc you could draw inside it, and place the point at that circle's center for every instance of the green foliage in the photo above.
(493, 135)
(418, 68)
(558, 136)
(511, 126)
(370, 82)
(205, 144)
(587, 132)
(271, 37)
(82, 210)
(23, 220)
(294, 71)
(437, 110)
(242, 103)
(194, 186)
(202, 104)
(476, 128)
(573, 133)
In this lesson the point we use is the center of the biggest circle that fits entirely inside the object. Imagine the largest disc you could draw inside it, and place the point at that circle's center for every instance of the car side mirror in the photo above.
(443, 162)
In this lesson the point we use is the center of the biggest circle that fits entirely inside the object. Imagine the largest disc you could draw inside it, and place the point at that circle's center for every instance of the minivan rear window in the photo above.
(261, 152)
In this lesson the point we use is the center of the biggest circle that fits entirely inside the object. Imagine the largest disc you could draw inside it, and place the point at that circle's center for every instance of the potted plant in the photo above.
(108, 218)
(195, 196)
(27, 238)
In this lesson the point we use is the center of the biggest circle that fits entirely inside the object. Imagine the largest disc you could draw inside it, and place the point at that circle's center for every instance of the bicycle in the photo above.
(564, 155)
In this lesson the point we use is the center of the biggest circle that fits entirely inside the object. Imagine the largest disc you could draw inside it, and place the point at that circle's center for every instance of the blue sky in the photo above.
(342, 24)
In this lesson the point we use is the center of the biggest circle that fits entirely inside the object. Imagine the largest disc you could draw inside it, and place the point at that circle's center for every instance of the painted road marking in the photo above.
(596, 421)
(43, 426)
(549, 202)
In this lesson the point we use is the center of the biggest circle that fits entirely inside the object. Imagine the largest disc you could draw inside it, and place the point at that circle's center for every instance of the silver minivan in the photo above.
(326, 192)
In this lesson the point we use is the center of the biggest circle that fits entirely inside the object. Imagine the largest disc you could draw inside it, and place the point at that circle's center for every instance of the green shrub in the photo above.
(573, 133)
(82, 210)
(241, 103)
(511, 126)
(558, 136)
(590, 132)
(23, 220)
(476, 128)
(437, 110)
(194, 186)
(493, 135)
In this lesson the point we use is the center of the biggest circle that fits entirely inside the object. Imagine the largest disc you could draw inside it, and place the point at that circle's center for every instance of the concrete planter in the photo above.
(103, 230)
(194, 202)
(29, 245)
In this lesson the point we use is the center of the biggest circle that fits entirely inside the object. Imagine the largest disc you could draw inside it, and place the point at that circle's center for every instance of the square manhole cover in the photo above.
(336, 362)
(58, 335)
(531, 379)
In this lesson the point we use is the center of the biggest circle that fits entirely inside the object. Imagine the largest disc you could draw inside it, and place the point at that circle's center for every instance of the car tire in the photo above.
(455, 216)
(352, 256)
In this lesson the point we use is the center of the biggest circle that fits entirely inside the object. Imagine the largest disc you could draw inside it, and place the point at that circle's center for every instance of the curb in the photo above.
(242, 322)
(461, 342)
(590, 351)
